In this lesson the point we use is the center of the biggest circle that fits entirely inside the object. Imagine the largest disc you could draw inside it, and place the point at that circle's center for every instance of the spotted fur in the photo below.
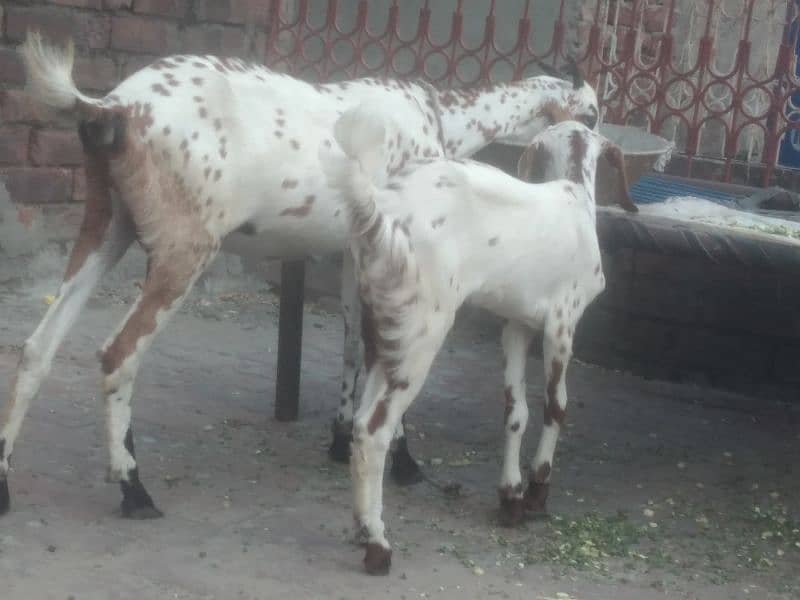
(540, 274)
(194, 152)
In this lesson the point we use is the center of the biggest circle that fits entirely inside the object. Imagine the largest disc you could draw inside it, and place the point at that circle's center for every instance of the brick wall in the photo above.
(40, 155)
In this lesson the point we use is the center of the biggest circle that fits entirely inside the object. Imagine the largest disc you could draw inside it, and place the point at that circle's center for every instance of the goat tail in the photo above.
(382, 245)
(49, 74)
(360, 133)
(49, 81)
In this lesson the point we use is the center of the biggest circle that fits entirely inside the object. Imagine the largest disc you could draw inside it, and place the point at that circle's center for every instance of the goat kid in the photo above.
(194, 148)
(447, 232)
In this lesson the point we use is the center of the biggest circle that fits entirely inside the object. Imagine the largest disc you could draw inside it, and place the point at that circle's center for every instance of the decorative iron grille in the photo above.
(716, 76)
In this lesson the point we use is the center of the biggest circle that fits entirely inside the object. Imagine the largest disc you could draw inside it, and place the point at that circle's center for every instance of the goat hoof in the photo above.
(377, 560)
(340, 446)
(536, 498)
(5, 497)
(136, 502)
(405, 470)
(512, 512)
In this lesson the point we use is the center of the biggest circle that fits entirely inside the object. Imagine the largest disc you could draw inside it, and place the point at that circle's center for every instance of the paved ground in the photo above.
(660, 491)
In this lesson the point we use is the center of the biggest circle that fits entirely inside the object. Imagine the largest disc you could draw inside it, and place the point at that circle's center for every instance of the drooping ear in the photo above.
(532, 165)
(616, 159)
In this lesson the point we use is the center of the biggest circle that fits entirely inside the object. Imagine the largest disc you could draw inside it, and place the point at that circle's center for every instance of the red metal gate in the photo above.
(656, 63)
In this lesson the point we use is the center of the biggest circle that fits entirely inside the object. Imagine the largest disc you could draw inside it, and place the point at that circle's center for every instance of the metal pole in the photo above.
(290, 340)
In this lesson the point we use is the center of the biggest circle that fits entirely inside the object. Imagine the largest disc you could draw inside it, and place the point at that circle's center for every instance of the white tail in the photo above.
(49, 71)
(385, 245)
(360, 132)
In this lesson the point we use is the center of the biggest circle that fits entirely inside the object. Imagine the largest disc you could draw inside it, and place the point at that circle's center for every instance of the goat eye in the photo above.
(590, 121)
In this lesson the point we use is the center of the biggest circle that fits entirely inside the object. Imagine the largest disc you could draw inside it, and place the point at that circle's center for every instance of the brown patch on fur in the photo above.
(552, 411)
(515, 426)
(202, 112)
(299, 211)
(294, 144)
(493, 241)
(140, 117)
(289, 184)
(542, 473)
(438, 222)
(577, 144)
(96, 213)
(509, 403)
(378, 417)
(377, 560)
(158, 293)
(554, 112)
(512, 508)
(197, 80)
(535, 498)
(160, 89)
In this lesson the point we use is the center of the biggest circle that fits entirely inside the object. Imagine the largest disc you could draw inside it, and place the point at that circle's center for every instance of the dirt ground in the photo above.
(659, 490)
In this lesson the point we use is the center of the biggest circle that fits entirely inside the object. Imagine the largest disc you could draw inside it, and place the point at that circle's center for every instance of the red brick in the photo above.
(14, 144)
(16, 107)
(36, 185)
(87, 29)
(222, 40)
(163, 8)
(232, 11)
(52, 147)
(140, 34)
(11, 68)
(95, 73)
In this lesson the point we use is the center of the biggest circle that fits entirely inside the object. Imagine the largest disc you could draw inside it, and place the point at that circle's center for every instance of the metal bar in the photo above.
(290, 340)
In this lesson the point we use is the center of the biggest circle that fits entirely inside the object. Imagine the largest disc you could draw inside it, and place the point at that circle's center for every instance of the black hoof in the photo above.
(512, 512)
(340, 446)
(5, 497)
(405, 470)
(377, 560)
(136, 502)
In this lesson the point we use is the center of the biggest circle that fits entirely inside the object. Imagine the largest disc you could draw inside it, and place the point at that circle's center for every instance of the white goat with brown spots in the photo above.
(449, 232)
(194, 150)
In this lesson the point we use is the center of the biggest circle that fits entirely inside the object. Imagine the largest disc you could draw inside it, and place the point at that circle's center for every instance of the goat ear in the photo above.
(616, 159)
(533, 163)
